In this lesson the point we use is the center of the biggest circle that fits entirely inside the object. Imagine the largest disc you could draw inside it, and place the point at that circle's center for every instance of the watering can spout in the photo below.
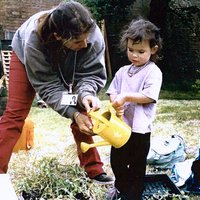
(85, 146)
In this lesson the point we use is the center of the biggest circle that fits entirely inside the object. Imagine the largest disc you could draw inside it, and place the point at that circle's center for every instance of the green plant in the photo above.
(48, 179)
(196, 85)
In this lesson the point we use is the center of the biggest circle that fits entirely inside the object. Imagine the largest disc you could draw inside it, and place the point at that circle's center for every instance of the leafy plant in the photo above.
(50, 179)
(196, 86)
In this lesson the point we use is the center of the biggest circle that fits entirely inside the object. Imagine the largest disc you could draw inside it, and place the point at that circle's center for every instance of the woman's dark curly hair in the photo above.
(139, 30)
(68, 20)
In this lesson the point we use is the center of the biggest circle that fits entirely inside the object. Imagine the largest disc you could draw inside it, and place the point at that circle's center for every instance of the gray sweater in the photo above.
(89, 75)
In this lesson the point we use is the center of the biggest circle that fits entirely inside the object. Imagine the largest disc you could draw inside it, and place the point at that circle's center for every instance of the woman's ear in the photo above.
(154, 49)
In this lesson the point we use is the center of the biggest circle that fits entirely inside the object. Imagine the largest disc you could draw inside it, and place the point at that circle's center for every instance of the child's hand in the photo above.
(119, 100)
(119, 110)
(118, 104)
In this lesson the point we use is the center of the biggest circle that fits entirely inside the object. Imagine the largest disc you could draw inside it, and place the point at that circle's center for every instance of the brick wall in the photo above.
(14, 12)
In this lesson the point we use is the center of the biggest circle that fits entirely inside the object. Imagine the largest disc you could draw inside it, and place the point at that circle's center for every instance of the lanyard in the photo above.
(70, 85)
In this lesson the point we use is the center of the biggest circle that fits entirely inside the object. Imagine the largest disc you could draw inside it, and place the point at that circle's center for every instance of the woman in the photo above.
(59, 54)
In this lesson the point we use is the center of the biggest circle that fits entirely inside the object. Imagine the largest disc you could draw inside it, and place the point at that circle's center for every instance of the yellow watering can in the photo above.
(111, 128)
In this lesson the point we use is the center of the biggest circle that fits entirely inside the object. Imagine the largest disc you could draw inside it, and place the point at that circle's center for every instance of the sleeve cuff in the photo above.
(70, 112)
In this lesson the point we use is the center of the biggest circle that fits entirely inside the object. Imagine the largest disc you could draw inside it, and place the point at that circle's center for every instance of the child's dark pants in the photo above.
(129, 165)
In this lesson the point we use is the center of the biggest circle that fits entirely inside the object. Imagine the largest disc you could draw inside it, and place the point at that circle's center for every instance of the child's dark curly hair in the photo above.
(139, 30)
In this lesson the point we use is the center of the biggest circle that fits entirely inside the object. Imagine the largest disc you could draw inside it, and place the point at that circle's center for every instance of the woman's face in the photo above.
(76, 44)
(139, 53)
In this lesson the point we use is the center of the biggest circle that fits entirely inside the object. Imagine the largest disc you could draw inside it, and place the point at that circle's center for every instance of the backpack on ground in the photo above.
(165, 152)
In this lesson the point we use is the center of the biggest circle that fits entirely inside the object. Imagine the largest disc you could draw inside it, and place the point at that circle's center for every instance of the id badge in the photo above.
(69, 99)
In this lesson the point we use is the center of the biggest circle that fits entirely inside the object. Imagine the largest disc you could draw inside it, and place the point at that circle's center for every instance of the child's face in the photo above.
(139, 53)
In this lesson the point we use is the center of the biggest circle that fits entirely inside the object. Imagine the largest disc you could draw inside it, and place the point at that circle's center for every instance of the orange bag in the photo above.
(26, 139)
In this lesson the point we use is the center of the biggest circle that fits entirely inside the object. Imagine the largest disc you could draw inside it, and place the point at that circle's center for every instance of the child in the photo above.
(134, 93)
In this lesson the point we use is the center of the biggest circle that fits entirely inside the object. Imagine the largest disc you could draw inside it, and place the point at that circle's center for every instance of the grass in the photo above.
(179, 95)
(51, 169)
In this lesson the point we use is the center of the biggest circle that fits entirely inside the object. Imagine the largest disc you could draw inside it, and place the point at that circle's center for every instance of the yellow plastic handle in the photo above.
(98, 116)
(110, 109)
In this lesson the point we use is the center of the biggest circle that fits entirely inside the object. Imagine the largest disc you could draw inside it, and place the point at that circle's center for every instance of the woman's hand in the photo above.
(84, 123)
(91, 103)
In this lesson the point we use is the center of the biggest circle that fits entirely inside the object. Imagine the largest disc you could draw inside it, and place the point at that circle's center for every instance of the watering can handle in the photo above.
(97, 116)
(109, 109)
